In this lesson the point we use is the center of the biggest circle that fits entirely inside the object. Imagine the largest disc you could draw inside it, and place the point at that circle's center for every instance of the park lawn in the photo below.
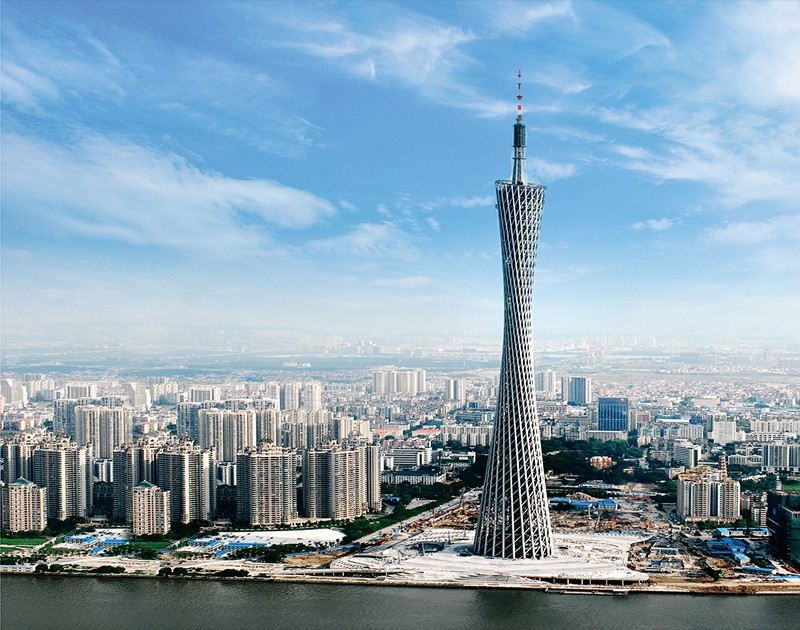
(150, 544)
(792, 486)
(23, 542)
(4, 549)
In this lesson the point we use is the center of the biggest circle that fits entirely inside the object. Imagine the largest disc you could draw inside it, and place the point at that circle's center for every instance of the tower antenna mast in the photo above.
(518, 175)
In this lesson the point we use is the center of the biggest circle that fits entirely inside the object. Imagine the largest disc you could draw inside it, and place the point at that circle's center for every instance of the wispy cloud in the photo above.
(550, 171)
(65, 72)
(412, 49)
(380, 240)
(404, 282)
(784, 228)
(656, 225)
(520, 17)
(730, 120)
(112, 189)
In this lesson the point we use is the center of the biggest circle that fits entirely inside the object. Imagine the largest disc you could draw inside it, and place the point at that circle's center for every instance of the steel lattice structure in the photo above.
(514, 518)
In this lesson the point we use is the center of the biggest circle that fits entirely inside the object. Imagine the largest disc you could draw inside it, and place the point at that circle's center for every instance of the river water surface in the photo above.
(59, 603)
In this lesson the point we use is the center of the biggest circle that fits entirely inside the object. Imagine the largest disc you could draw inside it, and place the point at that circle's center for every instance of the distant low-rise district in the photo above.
(672, 469)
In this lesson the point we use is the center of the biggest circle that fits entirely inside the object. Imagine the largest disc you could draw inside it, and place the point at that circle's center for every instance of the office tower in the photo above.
(104, 428)
(514, 518)
(187, 471)
(333, 485)
(783, 520)
(579, 390)
(612, 414)
(266, 489)
(23, 506)
(150, 510)
(65, 469)
(133, 463)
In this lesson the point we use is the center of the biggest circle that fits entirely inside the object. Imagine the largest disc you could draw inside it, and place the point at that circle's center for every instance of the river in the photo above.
(60, 603)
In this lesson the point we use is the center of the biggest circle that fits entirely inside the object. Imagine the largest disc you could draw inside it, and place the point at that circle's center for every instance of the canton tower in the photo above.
(514, 518)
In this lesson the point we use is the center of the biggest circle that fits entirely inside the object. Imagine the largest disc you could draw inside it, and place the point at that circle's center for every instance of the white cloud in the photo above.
(519, 17)
(406, 282)
(380, 240)
(415, 50)
(433, 223)
(115, 190)
(785, 229)
(656, 225)
(470, 202)
(550, 171)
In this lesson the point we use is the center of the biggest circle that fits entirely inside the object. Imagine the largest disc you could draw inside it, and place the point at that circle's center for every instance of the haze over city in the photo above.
(330, 167)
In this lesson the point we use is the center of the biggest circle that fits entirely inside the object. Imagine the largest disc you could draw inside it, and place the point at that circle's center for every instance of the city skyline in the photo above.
(327, 167)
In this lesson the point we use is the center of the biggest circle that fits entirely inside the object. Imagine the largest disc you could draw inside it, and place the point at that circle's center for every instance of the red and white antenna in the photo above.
(519, 95)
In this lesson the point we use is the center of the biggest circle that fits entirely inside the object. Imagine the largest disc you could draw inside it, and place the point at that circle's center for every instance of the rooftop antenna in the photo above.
(518, 175)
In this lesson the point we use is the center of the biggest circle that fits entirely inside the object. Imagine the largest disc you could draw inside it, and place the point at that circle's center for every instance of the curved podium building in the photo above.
(514, 518)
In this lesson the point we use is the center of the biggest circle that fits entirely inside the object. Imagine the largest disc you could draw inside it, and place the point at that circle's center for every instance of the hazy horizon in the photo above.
(329, 168)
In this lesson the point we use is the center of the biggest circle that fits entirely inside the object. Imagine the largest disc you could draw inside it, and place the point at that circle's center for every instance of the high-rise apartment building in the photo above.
(612, 414)
(150, 510)
(335, 481)
(311, 396)
(724, 431)
(104, 428)
(514, 517)
(64, 414)
(546, 384)
(188, 472)
(23, 506)
(266, 489)
(228, 432)
(409, 382)
(17, 456)
(457, 389)
(579, 390)
(199, 394)
(65, 469)
(780, 457)
(133, 464)
(704, 495)
(81, 390)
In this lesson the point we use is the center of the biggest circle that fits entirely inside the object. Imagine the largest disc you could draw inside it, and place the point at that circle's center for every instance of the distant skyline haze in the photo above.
(330, 166)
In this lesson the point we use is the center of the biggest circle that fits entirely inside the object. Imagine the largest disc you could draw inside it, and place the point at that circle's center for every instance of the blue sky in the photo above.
(330, 166)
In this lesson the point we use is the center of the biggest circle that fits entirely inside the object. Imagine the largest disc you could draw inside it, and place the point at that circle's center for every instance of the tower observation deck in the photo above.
(514, 517)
